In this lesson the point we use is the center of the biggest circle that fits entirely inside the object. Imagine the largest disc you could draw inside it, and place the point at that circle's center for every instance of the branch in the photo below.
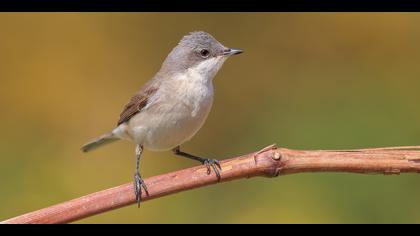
(269, 162)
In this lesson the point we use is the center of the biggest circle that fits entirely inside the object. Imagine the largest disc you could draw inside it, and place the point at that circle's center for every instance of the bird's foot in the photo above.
(138, 184)
(213, 163)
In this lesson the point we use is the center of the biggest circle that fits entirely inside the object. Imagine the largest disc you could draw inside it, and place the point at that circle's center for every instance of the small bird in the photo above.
(171, 107)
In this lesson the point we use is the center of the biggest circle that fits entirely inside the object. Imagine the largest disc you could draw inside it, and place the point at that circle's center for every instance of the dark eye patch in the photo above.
(204, 53)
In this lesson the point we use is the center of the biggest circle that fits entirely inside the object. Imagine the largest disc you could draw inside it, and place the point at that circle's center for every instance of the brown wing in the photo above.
(137, 102)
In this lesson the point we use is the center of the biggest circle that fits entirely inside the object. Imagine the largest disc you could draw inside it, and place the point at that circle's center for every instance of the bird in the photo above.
(170, 109)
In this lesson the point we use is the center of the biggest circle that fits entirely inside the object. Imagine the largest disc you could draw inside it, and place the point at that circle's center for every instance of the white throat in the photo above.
(206, 70)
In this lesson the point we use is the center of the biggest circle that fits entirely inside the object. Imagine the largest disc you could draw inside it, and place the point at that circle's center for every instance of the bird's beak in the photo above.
(231, 51)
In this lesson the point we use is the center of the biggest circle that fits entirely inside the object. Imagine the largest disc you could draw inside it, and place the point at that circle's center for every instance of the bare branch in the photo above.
(270, 162)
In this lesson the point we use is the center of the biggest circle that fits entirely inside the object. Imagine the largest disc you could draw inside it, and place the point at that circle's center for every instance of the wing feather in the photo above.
(137, 102)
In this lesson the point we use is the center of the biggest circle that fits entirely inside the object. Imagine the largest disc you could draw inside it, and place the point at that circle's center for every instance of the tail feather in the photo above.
(98, 142)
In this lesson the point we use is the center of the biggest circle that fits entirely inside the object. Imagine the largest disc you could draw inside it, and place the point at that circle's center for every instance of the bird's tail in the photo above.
(100, 141)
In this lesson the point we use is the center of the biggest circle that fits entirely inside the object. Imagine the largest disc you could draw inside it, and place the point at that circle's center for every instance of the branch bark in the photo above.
(269, 162)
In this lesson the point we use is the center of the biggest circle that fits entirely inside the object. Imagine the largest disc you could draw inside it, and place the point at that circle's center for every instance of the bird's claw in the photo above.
(138, 183)
(212, 163)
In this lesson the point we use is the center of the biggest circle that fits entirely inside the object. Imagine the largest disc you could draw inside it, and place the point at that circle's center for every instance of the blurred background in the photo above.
(305, 81)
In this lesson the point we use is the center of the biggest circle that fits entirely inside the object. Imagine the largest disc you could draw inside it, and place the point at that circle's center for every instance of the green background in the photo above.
(305, 81)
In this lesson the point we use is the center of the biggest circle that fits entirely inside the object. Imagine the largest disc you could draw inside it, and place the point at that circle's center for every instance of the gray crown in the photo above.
(187, 53)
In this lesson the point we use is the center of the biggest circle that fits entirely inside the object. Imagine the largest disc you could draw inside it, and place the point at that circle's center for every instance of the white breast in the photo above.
(177, 111)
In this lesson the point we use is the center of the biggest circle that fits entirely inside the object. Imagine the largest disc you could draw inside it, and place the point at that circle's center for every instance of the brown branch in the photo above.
(269, 162)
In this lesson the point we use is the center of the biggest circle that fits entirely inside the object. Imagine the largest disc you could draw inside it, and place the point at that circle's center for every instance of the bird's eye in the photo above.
(204, 53)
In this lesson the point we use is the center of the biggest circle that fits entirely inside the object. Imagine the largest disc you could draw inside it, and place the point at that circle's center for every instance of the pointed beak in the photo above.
(232, 51)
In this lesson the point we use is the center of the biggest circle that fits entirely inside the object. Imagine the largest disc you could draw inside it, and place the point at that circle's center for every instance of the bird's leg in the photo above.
(210, 163)
(138, 181)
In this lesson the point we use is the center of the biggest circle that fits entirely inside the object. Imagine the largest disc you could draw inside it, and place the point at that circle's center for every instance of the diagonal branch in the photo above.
(269, 162)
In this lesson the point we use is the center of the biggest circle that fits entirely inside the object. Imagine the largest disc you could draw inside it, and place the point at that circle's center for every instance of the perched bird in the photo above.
(171, 107)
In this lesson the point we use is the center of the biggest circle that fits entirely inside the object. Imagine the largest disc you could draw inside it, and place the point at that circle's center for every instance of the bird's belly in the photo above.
(167, 126)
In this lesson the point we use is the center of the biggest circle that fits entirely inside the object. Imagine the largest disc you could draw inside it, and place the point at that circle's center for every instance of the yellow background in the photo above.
(305, 81)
